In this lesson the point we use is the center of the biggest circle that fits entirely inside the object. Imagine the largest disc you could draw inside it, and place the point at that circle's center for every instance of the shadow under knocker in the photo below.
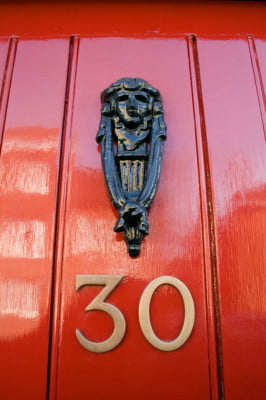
(131, 134)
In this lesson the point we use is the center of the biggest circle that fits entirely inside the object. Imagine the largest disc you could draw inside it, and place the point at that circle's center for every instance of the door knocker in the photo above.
(131, 135)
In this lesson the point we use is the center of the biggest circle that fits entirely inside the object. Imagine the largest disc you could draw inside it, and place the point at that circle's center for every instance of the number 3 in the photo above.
(111, 282)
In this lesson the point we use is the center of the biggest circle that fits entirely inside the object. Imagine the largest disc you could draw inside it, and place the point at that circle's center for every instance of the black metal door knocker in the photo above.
(132, 132)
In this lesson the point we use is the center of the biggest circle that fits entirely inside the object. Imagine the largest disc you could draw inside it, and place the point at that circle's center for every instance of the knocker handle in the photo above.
(131, 134)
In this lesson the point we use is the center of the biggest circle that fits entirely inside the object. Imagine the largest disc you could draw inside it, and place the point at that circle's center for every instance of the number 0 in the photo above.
(144, 313)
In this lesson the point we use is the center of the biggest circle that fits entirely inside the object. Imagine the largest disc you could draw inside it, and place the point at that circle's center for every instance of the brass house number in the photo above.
(110, 282)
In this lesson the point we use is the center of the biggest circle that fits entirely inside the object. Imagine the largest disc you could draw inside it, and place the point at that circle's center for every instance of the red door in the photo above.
(207, 221)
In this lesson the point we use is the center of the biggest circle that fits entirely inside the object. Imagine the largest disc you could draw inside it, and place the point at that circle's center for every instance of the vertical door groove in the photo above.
(258, 80)
(60, 217)
(7, 79)
(208, 232)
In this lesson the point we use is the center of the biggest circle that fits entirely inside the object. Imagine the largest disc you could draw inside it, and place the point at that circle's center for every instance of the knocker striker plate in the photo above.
(131, 135)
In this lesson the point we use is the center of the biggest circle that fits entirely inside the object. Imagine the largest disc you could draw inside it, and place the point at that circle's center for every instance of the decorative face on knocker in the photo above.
(132, 106)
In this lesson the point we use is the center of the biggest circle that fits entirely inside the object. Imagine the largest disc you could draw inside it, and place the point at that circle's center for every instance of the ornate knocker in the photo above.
(132, 132)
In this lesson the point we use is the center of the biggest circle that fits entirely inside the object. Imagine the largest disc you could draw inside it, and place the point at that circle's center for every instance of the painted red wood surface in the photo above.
(174, 247)
(148, 18)
(28, 185)
(238, 164)
(208, 217)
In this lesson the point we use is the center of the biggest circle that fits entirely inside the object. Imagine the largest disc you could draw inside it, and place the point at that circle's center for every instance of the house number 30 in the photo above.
(110, 282)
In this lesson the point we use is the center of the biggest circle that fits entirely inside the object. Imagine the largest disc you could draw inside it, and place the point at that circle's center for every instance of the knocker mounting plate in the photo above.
(131, 135)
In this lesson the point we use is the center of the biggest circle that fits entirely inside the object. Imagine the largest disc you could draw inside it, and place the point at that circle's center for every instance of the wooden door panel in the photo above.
(236, 145)
(174, 246)
(28, 187)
